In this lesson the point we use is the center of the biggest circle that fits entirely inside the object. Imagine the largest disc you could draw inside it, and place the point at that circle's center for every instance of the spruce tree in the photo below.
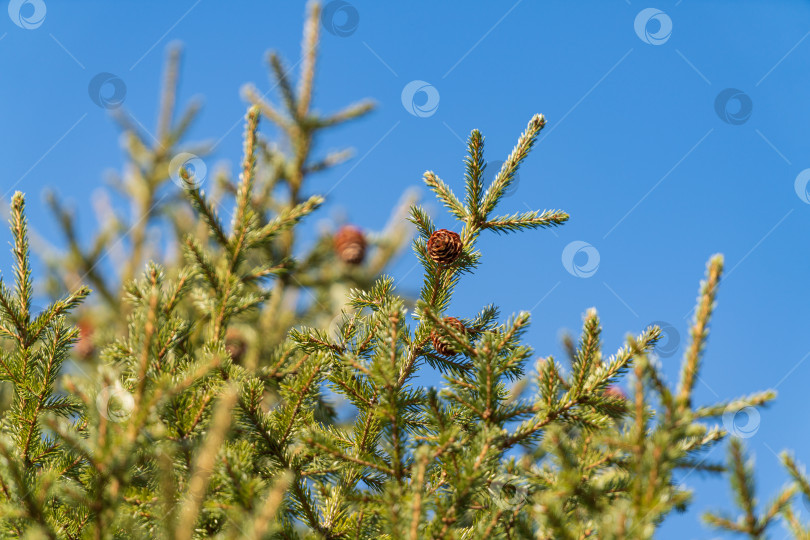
(204, 408)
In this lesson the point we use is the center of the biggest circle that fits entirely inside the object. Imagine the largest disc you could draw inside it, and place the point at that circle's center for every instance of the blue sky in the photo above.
(656, 171)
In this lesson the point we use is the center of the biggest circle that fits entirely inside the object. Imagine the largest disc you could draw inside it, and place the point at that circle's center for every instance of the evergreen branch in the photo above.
(206, 210)
(183, 124)
(331, 159)
(32, 506)
(287, 92)
(54, 353)
(507, 173)
(352, 112)
(446, 194)
(243, 215)
(375, 297)
(181, 287)
(699, 331)
(262, 272)
(168, 96)
(742, 482)
(302, 394)
(148, 334)
(424, 225)
(797, 473)
(11, 312)
(777, 506)
(474, 173)
(754, 400)
(793, 524)
(546, 414)
(6, 362)
(724, 522)
(309, 55)
(341, 455)
(272, 505)
(197, 254)
(88, 262)
(286, 220)
(526, 220)
(22, 269)
(46, 318)
(252, 95)
(588, 352)
(204, 464)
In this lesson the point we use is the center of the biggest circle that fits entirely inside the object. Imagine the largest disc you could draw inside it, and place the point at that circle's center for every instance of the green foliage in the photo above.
(174, 432)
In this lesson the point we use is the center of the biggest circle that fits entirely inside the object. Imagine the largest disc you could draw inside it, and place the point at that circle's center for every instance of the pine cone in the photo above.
(440, 342)
(615, 392)
(235, 344)
(444, 246)
(85, 346)
(350, 244)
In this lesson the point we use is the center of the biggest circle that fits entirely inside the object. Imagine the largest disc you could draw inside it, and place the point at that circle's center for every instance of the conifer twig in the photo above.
(700, 330)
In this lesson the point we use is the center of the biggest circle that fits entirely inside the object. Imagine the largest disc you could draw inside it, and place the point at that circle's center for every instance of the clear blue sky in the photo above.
(635, 150)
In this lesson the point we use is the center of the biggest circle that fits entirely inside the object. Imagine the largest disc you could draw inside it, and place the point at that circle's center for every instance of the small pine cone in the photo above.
(444, 246)
(350, 244)
(85, 346)
(440, 342)
(235, 344)
(614, 392)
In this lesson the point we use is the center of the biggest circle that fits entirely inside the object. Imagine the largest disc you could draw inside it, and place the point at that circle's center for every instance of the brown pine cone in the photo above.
(615, 392)
(444, 246)
(235, 344)
(440, 342)
(85, 346)
(350, 244)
